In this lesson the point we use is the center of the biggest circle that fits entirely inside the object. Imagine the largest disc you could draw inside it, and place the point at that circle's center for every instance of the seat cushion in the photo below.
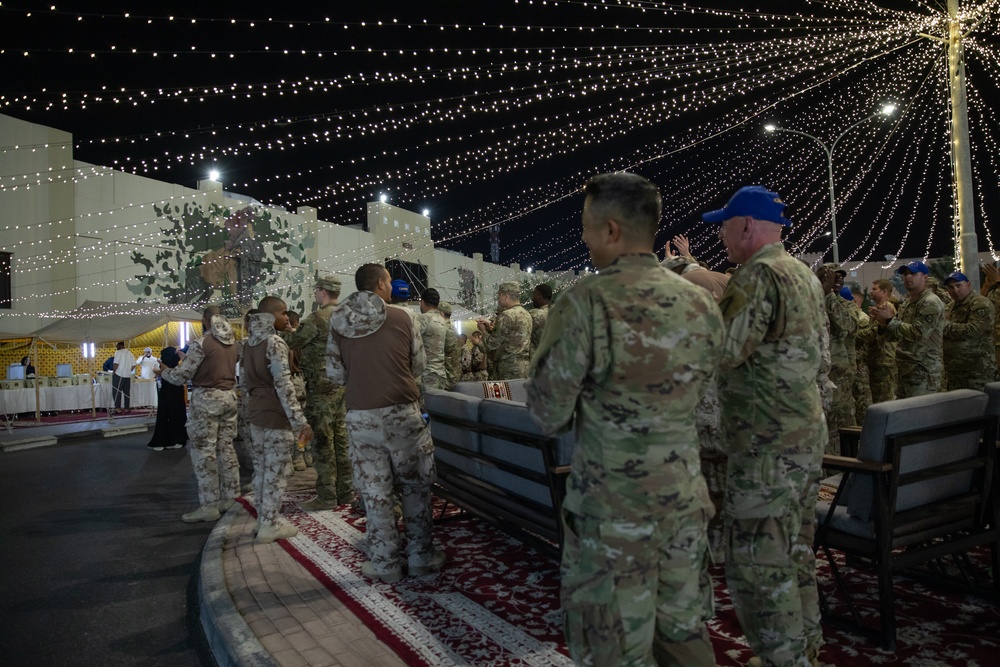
(883, 420)
(459, 406)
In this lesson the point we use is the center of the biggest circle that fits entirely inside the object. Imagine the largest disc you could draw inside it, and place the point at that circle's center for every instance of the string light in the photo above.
(708, 77)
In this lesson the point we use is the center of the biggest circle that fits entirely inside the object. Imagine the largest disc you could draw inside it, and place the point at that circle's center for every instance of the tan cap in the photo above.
(509, 287)
(330, 283)
(445, 308)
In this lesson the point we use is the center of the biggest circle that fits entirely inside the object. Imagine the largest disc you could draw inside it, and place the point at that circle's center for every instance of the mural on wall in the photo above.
(230, 257)
(468, 288)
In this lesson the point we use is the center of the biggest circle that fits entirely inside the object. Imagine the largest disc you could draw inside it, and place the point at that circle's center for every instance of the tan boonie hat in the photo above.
(509, 287)
(331, 283)
(445, 307)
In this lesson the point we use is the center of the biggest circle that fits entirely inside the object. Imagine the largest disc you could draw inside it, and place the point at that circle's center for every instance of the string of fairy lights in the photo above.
(427, 109)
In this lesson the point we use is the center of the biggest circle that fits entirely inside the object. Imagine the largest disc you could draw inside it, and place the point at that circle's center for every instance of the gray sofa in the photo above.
(493, 462)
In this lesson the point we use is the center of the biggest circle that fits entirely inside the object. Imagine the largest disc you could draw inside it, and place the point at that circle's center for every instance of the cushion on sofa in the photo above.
(459, 406)
(512, 415)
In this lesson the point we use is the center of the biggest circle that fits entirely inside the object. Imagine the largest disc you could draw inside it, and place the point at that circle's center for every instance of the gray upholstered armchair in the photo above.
(920, 488)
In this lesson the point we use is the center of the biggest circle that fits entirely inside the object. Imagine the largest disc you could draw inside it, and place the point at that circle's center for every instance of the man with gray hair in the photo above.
(210, 365)
(773, 429)
(508, 342)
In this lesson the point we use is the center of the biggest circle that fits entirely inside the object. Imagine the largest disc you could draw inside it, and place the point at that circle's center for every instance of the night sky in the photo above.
(497, 112)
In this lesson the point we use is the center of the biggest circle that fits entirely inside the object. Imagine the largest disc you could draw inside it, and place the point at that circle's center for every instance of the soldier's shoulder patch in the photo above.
(929, 318)
(982, 312)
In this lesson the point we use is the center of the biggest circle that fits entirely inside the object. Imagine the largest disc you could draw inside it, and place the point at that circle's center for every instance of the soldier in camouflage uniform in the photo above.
(509, 336)
(452, 362)
(324, 408)
(294, 357)
(275, 416)
(882, 351)
(541, 298)
(843, 336)
(917, 331)
(629, 352)
(867, 331)
(969, 362)
(439, 344)
(375, 351)
(991, 290)
(773, 427)
(477, 359)
(210, 365)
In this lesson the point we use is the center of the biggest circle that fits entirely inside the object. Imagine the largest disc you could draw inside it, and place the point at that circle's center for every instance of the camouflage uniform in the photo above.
(271, 447)
(882, 365)
(509, 342)
(629, 352)
(211, 423)
(969, 361)
(324, 408)
(452, 351)
(476, 355)
(389, 445)
(917, 329)
(994, 296)
(843, 335)
(867, 331)
(773, 426)
(434, 335)
(538, 318)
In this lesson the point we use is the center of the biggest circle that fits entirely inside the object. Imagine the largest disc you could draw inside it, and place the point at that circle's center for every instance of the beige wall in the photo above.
(74, 232)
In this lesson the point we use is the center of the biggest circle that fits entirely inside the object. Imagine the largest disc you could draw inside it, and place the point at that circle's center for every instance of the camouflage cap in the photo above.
(329, 283)
(445, 308)
(834, 267)
(509, 287)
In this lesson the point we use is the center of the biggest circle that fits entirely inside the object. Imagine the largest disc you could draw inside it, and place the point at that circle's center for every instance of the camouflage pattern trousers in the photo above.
(842, 411)
(211, 427)
(770, 564)
(882, 380)
(271, 449)
(325, 413)
(636, 591)
(915, 381)
(391, 447)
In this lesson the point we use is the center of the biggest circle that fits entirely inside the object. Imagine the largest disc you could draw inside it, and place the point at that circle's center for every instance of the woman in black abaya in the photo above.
(171, 412)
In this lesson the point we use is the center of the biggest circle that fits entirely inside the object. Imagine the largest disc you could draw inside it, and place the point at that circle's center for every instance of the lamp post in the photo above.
(884, 111)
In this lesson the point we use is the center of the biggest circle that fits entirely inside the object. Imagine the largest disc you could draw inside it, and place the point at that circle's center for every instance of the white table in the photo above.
(58, 399)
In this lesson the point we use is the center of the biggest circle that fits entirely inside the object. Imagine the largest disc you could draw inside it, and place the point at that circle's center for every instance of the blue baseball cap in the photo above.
(914, 267)
(755, 201)
(400, 289)
(958, 277)
(846, 293)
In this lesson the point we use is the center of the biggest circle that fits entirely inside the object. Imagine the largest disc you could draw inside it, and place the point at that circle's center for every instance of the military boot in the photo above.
(279, 530)
(203, 513)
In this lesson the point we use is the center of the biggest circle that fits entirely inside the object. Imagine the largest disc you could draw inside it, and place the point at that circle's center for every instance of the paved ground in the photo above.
(96, 567)
(95, 560)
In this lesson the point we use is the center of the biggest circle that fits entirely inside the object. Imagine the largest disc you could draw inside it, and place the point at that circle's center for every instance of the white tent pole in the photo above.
(38, 394)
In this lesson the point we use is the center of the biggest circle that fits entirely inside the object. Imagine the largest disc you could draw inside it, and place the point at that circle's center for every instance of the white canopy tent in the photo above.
(103, 322)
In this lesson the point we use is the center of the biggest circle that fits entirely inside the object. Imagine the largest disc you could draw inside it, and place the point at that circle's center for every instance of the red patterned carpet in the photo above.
(497, 603)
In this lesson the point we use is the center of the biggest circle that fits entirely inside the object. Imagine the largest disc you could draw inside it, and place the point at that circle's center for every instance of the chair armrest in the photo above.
(848, 464)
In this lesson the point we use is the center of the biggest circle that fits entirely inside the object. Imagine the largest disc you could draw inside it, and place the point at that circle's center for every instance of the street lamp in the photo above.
(887, 110)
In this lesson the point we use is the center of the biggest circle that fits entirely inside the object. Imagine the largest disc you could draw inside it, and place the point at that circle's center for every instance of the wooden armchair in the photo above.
(920, 488)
